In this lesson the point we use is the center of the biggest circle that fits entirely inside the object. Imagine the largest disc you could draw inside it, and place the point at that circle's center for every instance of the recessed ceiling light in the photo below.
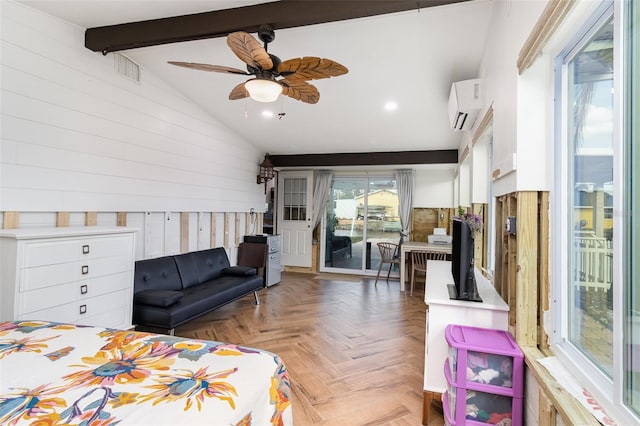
(267, 114)
(391, 106)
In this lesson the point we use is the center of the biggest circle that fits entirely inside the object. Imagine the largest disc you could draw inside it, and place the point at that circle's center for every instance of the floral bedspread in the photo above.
(54, 374)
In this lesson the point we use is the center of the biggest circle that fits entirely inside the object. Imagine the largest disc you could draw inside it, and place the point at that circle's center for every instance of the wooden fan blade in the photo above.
(310, 68)
(248, 49)
(207, 67)
(238, 92)
(300, 90)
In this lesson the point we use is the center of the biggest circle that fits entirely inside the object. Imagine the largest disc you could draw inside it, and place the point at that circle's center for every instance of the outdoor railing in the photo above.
(593, 262)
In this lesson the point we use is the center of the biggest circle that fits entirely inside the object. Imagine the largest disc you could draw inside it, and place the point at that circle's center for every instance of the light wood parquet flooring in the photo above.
(354, 352)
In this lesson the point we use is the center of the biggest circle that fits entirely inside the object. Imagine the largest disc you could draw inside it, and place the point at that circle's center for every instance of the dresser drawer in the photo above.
(52, 252)
(60, 313)
(107, 310)
(42, 298)
(108, 313)
(53, 275)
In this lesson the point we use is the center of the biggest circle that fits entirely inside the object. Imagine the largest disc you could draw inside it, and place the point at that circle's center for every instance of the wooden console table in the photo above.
(492, 312)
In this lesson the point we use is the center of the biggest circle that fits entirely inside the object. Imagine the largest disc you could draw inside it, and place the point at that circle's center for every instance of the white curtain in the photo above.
(322, 183)
(404, 181)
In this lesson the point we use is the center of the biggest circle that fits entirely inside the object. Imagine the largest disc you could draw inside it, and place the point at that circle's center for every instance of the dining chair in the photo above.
(419, 263)
(388, 254)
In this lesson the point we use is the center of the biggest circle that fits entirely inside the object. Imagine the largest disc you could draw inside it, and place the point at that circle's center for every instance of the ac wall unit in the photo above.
(465, 102)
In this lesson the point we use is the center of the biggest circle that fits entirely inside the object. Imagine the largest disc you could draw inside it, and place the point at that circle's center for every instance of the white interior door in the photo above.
(295, 191)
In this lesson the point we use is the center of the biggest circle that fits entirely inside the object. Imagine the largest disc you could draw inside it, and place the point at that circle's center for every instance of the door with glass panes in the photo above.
(361, 212)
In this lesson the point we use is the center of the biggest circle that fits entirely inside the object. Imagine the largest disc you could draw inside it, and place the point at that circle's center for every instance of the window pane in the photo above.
(632, 289)
(590, 92)
(294, 199)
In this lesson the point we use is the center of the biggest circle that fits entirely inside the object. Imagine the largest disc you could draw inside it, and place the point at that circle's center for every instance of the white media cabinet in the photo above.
(492, 312)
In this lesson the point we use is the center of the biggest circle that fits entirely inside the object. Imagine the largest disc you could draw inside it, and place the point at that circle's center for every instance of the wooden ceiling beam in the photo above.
(445, 156)
(278, 14)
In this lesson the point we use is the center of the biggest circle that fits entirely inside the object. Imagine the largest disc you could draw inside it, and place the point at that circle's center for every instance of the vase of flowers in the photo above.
(473, 220)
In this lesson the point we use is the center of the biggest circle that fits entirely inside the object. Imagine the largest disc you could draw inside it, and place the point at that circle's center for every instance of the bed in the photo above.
(54, 373)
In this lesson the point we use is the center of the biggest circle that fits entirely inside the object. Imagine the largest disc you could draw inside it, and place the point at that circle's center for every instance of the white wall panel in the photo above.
(204, 230)
(77, 218)
(433, 188)
(37, 219)
(136, 220)
(77, 136)
(153, 235)
(108, 219)
(193, 231)
(172, 233)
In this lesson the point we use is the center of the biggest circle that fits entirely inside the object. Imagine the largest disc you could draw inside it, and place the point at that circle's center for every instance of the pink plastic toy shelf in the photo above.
(484, 373)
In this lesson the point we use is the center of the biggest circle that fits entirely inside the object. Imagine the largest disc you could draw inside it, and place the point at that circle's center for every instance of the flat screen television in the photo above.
(464, 280)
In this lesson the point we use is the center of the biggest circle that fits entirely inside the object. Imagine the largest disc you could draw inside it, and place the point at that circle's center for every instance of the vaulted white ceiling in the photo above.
(409, 58)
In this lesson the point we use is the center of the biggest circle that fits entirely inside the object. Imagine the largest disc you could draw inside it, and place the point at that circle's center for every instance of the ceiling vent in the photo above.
(126, 67)
(465, 102)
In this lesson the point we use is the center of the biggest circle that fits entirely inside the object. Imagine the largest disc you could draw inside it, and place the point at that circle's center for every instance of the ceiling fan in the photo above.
(271, 76)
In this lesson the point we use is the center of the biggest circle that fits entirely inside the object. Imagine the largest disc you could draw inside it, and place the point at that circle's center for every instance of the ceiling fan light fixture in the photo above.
(263, 90)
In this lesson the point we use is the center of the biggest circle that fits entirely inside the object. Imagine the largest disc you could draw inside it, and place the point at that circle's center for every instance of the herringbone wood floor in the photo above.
(355, 353)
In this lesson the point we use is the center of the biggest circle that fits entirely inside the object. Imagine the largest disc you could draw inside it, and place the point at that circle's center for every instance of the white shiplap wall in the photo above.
(76, 136)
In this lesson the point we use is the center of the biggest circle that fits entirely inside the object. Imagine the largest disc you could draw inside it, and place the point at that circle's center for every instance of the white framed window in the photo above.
(596, 326)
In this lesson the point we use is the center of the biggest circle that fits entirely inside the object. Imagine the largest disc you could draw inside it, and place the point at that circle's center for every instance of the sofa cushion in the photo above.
(200, 266)
(197, 300)
(160, 298)
(240, 271)
(160, 273)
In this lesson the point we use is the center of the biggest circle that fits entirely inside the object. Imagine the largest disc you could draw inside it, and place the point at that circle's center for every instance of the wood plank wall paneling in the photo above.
(546, 413)
(526, 326)
(62, 219)
(212, 230)
(444, 219)
(543, 267)
(487, 119)
(227, 219)
(91, 218)
(121, 219)
(524, 258)
(506, 254)
(423, 220)
(512, 259)
(10, 220)
(184, 232)
(480, 249)
(551, 18)
(74, 110)
(237, 230)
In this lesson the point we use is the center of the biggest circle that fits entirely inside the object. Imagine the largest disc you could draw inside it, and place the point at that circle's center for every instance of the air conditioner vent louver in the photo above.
(126, 67)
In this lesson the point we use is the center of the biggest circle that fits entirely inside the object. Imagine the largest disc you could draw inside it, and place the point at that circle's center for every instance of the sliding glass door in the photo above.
(361, 212)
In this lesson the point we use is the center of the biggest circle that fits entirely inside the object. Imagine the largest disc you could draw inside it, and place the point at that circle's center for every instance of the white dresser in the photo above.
(80, 275)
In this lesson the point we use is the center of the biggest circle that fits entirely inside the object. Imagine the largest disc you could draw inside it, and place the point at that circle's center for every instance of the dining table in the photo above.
(410, 246)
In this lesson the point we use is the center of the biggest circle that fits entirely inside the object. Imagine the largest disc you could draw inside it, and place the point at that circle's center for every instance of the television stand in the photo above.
(453, 294)
(493, 312)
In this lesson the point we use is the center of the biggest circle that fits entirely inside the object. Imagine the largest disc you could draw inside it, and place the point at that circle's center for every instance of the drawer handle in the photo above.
(85, 249)
(85, 269)
(84, 289)
(83, 309)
